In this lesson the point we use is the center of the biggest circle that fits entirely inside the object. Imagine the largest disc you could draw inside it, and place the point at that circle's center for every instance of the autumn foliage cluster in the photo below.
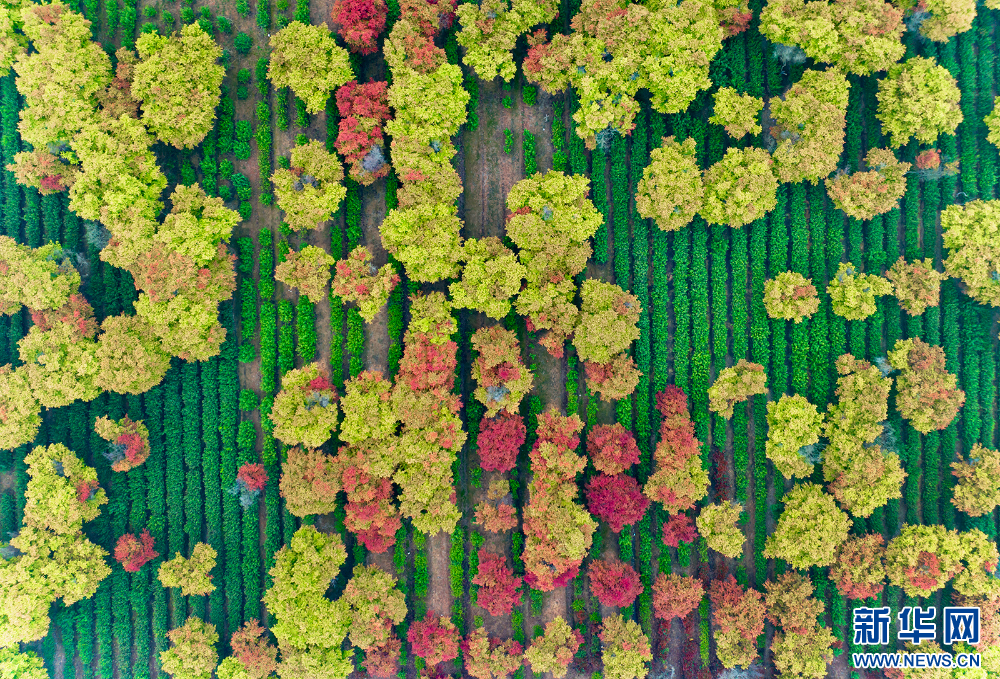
(363, 110)
(679, 480)
(129, 442)
(359, 23)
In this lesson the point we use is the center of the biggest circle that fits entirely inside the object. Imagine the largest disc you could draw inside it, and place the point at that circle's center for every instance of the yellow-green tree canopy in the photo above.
(311, 190)
(738, 113)
(856, 419)
(130, 358)
(191, 575)
(308, 270)
(24, 616)
(554, 650)
(17, 665)
(367, 406)
(39, 278)
(61, 77)
(69, 565)
(62, 491)
(869, 481)
(624, 648)
(502, 379)
(918, 98)
(357, 280)
(309, 482)
(491, 275)
(916, 284)
(426, 239)
(980, 557)
(489, 33)
(972, 236)
(608, 324)
(197, 223)
(11, 43)
(307, 59)
(193, 654)
(859, 36)
(863, 195)
(309, 627)
(803, 655)
(734, 385)
(977, 491)
(793, 423)
(809, 530)
(178, 83)
(670, 191)
(790, 296)
(809, 126)
(305, 410)
(374, 605)
(992, 121)
(611, 55)
(921, 559)
(853, 293)
(947, 17)
(718, 524)
(20, 411)
(739, 188)
(927, 395)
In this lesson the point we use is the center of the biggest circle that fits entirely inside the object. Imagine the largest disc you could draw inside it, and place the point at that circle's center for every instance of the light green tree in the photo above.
(178, 82)
(947, 17)
(859, 36)
(863, 195)
(624, 648)
(192, 574)
(305, 410)
(670, 191)
(130, 358)
(502, 379)
(193, 654)
(553, 651)
(977, 491)
(70, 566)
(357, 280)
(872, 478)
(308, 270)
(11, 47)
(719, 525)
(793, 423)
(426, 239)
(980, 556)
(738, 113)
(367, 406)
(38, 278)
(61, 366)
(918, 98)
(55, 498)
(609, 319)
(809, 126)
(374, 605)
(809, 530)
(853, 293)
(20, 411)
(740, 188)
(916, 284)
(490, 32)
(17, 665)
(307, 59)
(972, 236)
(790, 296)
(197, 223)
(311, 190)
(62, 75)
(992, 121)
(921, 559)
(734, 385)
(491, 275)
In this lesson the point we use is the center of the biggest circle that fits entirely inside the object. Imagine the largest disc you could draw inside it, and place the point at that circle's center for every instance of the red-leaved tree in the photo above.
(612, 448)
(252, 649)
(360, 22)
(251, 479)
(489, 657)
(616, 499)
(674, 596)
(613, 582)
(382, 662)
(738, 615)
(363, 111)
(132, 552)
(859, 572)
(431, 16)
(498, 588)
(679, 480)
(369, 512)
(434, 639)
(499, 440)
(679, 528)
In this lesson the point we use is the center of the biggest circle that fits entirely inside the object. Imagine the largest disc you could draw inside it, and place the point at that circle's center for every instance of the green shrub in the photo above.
(168, 18)
(248, 400)
(283, 108)
(263, 16)
(508, 141)
(530, 162)
(226, 169)
(284, 161)
(242, 92)
(508, 102)
(529, 94)
(243, 42)
(246, 209)
(261, 72)
(243, 7)
(301, 140)
(149, 27)
(225, 191)
(187, 15)
(242, 185)
(301, 115)
(243, 76)
(206, 25)
(224, 24)
(150, 11)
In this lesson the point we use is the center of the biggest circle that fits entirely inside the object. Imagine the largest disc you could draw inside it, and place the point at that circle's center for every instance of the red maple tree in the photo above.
(132, 552)
(675, 596)
(499, 440)
(614, 582)
(434, 639)
(360, 22)
(253, 476)
(252, 649)
(363, 110)
(679, 528)
(369, 514)
(382, 662)
(498, 588)
(612, 448)
(616, 499)
(736, 609)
